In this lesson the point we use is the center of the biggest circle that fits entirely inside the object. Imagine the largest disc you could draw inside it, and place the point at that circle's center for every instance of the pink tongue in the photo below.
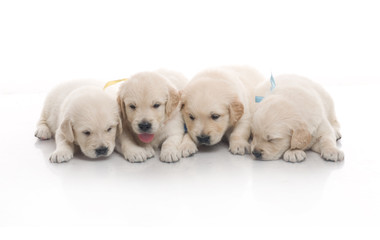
(146, 137)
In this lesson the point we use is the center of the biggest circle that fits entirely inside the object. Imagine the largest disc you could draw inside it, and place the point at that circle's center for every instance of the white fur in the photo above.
(143, 91)
(226, 92)
(73, 109)
(298, 115)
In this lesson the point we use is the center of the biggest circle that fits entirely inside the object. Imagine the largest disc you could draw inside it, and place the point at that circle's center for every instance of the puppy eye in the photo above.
(215, 116)
(132, 106)
(191, 117)
(109, 129)
(156, 105)
(87, 133)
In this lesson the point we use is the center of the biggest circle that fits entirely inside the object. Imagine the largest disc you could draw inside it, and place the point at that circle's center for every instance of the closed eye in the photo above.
(273, 140)
(109, 129)
(191, 117)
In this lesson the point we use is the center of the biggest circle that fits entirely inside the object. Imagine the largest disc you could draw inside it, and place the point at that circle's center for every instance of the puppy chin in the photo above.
(269, 157)
(91, 154)
(215, 140)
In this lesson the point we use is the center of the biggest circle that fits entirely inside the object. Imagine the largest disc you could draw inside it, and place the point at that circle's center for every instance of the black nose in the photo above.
(257, 154)
(145, 126)
(101, 151)
(203, 139)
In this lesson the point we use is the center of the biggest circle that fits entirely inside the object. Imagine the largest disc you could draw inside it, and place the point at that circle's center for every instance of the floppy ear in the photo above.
(181, 99)
(119, 125)
(122, 108)
(301, 137)
(236, 111)
(67, 130)
(173, 100)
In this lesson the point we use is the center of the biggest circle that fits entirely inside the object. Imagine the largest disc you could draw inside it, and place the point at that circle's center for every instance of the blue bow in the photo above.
(272, 87)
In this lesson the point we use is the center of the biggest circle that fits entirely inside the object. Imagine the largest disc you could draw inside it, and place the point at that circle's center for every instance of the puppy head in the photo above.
(92, 121)
(209, 108)
(276, 128)
(147, 100)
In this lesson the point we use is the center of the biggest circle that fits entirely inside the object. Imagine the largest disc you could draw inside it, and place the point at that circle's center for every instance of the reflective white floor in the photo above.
(211, 189)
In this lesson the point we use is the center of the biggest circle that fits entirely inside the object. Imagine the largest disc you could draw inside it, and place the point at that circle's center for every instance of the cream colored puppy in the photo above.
(149, 103)
(295, 116)
(216, 104)
(79, 113)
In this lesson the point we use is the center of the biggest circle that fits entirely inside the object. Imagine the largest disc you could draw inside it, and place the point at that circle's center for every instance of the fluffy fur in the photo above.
(296, 116)
(79, 113)
(216, 103)
(149, 103)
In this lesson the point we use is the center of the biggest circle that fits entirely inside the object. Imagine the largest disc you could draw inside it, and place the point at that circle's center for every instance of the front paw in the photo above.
(239, 147)
(188, 148)
(60, 156)
(294, 156)
(43, 132)
(138, 154)
(332, 154)
(170, 155)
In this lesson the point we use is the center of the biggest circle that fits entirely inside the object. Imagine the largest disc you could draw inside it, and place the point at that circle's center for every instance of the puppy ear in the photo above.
(301, 137)
(173, 99)
(236, 111)
(122, 108)
(67, 130)
(119, 125)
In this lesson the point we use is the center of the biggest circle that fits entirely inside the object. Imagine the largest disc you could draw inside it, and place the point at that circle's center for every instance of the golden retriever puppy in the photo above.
(79, 113)
(296, 115)
(149, 102)
(216, 104)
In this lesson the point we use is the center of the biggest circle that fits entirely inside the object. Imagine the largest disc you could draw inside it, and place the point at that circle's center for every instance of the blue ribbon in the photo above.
(272, 87)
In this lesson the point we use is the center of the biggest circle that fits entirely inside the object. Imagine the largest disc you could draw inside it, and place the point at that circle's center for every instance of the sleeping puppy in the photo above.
(149, 103)
(295, 116)
(79, 113)
(216, 104)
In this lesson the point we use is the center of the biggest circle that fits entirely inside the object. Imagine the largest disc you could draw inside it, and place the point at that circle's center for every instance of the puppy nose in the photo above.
(145, 126)
(101, 151)
(257, 154)
(203, 139)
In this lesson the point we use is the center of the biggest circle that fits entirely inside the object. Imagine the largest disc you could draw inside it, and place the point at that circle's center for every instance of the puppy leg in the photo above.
(239, 138)
(42, 132)
(64, 150)
(131, 151)
(336, 128)
(170, 149)
(187, 147)
(326, 144)
(294, 156)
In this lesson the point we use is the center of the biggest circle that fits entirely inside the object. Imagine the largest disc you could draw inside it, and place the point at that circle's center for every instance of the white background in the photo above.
(212, 194)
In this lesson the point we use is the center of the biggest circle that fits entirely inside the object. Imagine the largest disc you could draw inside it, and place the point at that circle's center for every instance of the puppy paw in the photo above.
(188, 148)
(338, 135)
(332, 154)
(60, 156)
(43, 132)
(294, 156)
(239, 147)
(138, 154)
(170, 155)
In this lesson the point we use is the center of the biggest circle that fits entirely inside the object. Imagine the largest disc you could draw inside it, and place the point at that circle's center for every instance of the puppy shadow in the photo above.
(46, 147)
(291, 187)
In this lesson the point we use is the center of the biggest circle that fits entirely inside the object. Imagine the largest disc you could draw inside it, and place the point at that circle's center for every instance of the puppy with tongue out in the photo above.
(149, 104)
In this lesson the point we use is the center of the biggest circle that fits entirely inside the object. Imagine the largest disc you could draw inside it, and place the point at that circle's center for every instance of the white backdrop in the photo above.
(44, 42)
